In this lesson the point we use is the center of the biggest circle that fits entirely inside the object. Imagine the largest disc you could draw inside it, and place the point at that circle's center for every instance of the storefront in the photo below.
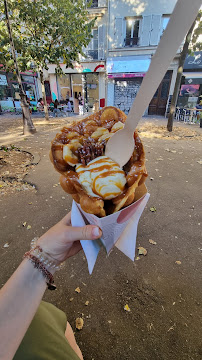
(124, 79)
(84, 86)
(190, 93)
(10, 93)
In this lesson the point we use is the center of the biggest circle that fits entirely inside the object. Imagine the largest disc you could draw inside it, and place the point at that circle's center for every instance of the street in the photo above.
(162, 289)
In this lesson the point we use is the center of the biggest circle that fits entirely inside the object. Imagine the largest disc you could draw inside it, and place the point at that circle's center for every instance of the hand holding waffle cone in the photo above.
(96, 182)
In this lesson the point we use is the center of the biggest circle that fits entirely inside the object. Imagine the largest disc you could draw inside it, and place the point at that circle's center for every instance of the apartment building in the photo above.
(135, 28)
(125, 37)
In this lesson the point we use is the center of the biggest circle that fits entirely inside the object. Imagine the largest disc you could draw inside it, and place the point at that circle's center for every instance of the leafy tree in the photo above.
(28, 126)
(191, 44)
(48, 32)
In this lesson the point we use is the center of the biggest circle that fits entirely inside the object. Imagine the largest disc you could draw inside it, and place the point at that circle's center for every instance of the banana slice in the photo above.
(68, 155)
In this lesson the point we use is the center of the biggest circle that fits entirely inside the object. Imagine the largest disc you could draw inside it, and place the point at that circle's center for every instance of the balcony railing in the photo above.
(131, 41)
(92, 54)
(94, 3)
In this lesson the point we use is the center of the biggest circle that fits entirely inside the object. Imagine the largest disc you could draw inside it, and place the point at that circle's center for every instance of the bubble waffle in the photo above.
(80, 147)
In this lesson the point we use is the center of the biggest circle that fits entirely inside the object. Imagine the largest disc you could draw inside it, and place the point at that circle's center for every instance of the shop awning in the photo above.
(130, 64)
(194, 78)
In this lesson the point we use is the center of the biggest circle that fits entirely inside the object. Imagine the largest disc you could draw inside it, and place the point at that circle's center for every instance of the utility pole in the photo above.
(28, 126)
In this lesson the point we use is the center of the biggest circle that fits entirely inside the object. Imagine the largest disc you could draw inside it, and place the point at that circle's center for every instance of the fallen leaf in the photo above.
(30, 203)
(178, 262)
(173, 151)
(152, 209)
(78, 290)
(24, 223)
(126, 308)
(142, 251)
(6, 245)
(71, 299)
(137, 258)
(86, 303)
(79, 323)
(152, 242)
(199, 162)
(28, 227)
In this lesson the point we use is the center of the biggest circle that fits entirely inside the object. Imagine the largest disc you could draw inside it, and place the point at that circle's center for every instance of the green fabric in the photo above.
(45, 338)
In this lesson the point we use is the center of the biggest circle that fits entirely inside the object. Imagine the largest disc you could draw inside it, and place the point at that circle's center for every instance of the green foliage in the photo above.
(196, 45)
(45, 32)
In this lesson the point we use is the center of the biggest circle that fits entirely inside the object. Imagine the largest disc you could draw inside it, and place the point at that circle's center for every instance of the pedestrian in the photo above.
(67, 108)
(40, 105)
(56, 110)
(80, 99)
(31, 329)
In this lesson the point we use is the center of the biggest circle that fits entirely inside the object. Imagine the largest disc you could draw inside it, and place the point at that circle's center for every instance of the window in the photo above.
(132, 32)
(94, 3)
(165, 20)
(92, 50)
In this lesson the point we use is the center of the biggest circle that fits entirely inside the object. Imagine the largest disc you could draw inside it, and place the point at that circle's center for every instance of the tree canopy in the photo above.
(45, 32)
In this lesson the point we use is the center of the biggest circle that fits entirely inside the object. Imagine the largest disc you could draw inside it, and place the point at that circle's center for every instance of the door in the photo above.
(157, 105)
(124, 93)
(48, 92)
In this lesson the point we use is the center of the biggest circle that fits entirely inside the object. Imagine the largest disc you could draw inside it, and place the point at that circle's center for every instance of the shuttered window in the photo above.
(151, 30)
(118, 32)
(155, 29)
(101, 42)
(92, 50)
(132, 32)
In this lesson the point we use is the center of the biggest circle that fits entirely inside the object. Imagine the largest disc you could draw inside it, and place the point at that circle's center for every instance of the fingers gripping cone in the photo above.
(119, 229)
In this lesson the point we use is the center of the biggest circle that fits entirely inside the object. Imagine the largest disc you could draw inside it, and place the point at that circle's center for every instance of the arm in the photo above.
(21, 295)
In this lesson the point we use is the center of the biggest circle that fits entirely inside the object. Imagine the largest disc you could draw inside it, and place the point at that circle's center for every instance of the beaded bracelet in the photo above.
(39, 265)
(43, 262)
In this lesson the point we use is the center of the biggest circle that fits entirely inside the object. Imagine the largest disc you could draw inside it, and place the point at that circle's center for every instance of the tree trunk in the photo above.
(44, 95)
(28, 126)
(179, 77)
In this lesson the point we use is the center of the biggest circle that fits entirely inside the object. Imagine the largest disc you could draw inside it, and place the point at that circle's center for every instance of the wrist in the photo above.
(43, 262)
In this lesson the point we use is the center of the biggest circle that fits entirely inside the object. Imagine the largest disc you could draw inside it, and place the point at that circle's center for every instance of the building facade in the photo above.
(190, 94)
(134, 31)
(86, 79)
(125, 37)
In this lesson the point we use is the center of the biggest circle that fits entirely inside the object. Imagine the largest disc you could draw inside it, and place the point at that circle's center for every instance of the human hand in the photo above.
(63, 240)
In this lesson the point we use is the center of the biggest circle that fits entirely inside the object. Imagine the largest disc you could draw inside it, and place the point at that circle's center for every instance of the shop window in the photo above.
(5, 92)
(132, 32)
(92, 49)
(64, 86)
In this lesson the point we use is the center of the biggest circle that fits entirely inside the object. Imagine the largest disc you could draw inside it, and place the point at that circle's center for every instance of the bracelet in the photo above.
(39, 265)
(43, 262)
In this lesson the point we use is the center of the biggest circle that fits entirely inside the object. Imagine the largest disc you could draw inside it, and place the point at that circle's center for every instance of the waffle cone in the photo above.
(135, 168)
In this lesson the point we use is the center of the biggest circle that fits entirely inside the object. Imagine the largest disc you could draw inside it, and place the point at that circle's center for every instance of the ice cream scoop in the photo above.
(102, 177)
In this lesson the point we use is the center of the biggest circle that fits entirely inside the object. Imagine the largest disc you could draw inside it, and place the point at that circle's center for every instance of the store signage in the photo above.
(194, 62)
(134, 64)
(125, 75)
(3, 80)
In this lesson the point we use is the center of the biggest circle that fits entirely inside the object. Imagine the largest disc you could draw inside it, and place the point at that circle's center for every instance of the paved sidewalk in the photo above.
(164, 296)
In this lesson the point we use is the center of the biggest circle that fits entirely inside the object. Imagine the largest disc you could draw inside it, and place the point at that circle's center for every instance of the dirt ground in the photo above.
(162, 289)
